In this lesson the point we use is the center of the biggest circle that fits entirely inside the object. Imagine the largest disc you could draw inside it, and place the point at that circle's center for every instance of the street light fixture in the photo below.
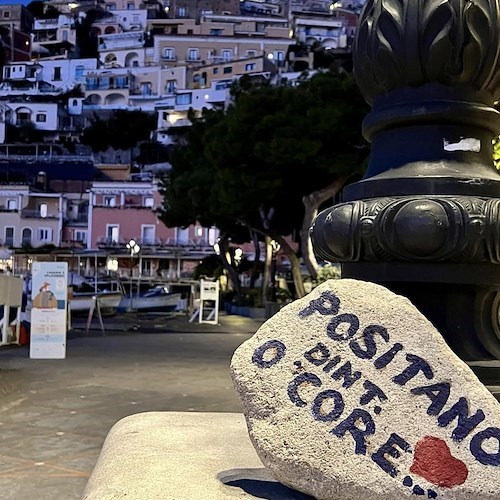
(133, 247)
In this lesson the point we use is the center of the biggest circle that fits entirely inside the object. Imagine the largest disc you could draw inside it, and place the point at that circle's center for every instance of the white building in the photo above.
(44, 115)
(65, 74)
(173, 110)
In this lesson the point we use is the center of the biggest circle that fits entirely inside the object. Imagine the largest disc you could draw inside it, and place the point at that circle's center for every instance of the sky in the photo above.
(10, 2)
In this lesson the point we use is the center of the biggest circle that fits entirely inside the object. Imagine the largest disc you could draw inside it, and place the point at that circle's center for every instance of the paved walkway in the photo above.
(55, 414)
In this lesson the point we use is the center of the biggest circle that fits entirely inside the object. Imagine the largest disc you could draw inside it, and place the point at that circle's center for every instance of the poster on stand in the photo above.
(49, 294)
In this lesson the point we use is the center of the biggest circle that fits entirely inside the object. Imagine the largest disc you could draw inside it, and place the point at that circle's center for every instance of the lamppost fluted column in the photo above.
(425, 219)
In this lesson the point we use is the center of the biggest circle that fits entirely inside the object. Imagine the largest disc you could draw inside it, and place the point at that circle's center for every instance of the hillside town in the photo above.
(66, 64)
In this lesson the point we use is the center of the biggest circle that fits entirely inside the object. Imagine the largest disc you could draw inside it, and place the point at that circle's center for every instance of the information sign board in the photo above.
(49, 310)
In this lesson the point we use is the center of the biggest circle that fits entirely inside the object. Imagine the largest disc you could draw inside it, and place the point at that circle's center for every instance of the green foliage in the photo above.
(251, 297)
(327, 272)
(25, 133)
(496, 153)
(123, 130)
(210, 266)
(272, 147)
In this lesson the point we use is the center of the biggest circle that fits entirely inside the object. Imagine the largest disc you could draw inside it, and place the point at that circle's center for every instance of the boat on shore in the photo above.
(108, 292)
(155, 299)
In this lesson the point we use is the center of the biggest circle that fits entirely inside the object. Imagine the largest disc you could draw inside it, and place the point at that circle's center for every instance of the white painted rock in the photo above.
(351, 393)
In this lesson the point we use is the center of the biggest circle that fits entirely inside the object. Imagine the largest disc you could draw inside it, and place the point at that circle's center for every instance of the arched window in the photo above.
(26, 237)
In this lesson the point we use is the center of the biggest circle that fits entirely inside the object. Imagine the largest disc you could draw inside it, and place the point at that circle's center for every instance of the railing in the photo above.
(35, 214)
(81, 218)
(47, 157)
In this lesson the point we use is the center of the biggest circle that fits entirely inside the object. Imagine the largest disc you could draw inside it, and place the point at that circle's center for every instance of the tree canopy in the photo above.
(251, 166)
(123, 130)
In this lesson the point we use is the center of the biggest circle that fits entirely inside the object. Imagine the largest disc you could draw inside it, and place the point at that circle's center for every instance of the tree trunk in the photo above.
(312, 202)
(266, 278)
(231, 272)
(295, 265)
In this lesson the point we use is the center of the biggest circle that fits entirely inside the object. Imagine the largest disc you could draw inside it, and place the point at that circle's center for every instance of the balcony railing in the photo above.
(79, 219)
(35, 214)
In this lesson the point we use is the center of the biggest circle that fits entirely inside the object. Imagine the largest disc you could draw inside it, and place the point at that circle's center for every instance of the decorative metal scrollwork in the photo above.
(418, 229)
(402, 43)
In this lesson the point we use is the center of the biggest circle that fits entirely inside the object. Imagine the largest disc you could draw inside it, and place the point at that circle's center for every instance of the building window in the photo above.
(250, 67)
(146, 89)
(11, 204)
(79, 72)
(149, 201)
(57, 74)
(26, 237)
(228, 69)
(169, 53)
(171, 86)
(216, 32)
(183, 99)
(109, 201)
(111, 6)
(9, 236)
(193, 55)
(251, 53)
(112, 233)
(41, 118)
(92, 83)
(6, 14)
(216, 71)
(23, 117)
(80, 236)
(42, 210)
(44, 234)
(181, 11)
(130, 6)
(227, 55)
(148, 235)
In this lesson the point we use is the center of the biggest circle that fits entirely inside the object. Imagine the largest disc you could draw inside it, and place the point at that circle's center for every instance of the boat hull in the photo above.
(160, 303)
(82, 302)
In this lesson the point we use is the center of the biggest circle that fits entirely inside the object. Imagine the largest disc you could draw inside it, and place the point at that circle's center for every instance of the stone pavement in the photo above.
(55, 414)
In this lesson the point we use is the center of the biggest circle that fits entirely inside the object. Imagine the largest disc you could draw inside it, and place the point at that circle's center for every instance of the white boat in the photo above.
(156, 299)
(109, 294)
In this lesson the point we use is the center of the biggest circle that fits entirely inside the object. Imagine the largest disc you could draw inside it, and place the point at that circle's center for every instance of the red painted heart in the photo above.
(433, 461)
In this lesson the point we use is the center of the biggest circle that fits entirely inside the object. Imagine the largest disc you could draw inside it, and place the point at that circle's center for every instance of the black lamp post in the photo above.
(425, 220)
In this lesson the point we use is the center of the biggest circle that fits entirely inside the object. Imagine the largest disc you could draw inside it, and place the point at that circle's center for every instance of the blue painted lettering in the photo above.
(327, 304)
(370, 348)
(351, 319)
(389, 448)
(334, 413)
(293, 387)
(476, 446)
(417, 364)
(358, 433)
(465, 423)
(277, 349)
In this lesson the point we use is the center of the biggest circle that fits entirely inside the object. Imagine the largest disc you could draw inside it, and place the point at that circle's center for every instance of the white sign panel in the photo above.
(209, 302)
(49, 310)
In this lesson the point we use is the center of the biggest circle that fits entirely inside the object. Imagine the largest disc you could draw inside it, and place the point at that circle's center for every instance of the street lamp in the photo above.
(133, 247)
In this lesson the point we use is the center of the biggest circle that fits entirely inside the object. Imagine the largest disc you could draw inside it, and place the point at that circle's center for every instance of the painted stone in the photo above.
(351, 393)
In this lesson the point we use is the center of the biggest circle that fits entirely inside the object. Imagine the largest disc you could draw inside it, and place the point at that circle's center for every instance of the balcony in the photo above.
(27, 213)
(79, 219)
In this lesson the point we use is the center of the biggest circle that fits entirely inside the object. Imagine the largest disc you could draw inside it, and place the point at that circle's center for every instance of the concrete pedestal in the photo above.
(182, 456)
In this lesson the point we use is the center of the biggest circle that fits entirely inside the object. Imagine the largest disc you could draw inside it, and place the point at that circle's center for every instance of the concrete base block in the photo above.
(181, 456)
